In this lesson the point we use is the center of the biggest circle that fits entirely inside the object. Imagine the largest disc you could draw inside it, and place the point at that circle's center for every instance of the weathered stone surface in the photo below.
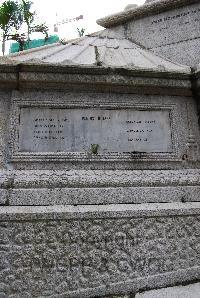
(87, 254)
(190, 291)
(105, 48)
(4, 124)
(169, 32)
(113, 223)
(94, 130)
(183, 132)
(101, 178)
(165, 26)
(3, 196)
(100, 187)
(189, 50)
(156, 7)
(136, 195)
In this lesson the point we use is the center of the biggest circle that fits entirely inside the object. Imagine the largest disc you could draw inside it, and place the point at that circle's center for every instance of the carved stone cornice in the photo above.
(100, 79)
(148, 9)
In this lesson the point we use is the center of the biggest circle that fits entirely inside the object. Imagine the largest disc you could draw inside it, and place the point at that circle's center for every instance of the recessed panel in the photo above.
(94, 130)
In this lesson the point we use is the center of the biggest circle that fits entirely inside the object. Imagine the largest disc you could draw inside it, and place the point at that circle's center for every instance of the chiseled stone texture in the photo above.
(183, 127)
(4, 116)
(100, 187)
(49, 254)
(159, 29)
(3, 196)
(190, 291)
(106, 195)
(189, 49)
(173, 33)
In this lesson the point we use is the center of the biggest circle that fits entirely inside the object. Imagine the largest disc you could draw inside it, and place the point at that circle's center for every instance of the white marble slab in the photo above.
(80, 130)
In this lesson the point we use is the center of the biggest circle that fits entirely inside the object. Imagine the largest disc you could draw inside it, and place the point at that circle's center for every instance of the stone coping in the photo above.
(147, 9)
(98, 178)
(89, 187)
(17, 67)
(60, 212)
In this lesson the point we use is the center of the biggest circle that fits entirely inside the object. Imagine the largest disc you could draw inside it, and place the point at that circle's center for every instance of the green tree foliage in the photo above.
(10, 18)
(43, 28)
(81, 31)
(17, 22)
(28, 16)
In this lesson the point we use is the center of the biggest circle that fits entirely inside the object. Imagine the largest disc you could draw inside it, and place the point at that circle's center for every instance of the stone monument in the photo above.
(99, 169)
(167, 27)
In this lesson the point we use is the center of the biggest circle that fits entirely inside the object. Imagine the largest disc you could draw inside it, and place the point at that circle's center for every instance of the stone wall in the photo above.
(96, 251)
(75, 224)
(171, 30)
(5, 104)
(183, 131)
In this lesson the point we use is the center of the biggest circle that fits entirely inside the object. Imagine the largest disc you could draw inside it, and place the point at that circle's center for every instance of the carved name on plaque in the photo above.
(193, 13)
(76, 130)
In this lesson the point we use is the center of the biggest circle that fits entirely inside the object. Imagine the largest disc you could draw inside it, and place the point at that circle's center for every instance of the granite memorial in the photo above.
(100, 160)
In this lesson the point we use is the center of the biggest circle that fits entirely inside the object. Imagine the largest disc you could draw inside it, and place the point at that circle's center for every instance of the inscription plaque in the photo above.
(107, 130)
(168, 28)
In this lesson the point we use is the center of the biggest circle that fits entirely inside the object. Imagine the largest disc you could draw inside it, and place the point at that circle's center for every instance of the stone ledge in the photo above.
(46, 187)
(119, 79)
(60, 212)
(98, 178)
(102, 195)
(106, 83)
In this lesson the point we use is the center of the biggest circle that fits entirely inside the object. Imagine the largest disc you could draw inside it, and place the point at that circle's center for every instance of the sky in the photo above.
(51, 12)
(55, 11)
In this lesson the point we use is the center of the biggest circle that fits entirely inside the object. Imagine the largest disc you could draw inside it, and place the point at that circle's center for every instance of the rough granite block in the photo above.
(97, 250)
(3, 196)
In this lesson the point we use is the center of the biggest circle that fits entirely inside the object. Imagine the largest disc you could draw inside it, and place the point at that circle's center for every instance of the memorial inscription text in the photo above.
(191, 13)
(76, 130)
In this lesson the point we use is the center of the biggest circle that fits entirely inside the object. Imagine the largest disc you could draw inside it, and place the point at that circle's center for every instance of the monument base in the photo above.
(87, 251)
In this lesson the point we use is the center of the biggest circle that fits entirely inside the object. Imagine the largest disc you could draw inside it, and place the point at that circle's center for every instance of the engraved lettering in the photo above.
(173, 17)
(75, 130)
